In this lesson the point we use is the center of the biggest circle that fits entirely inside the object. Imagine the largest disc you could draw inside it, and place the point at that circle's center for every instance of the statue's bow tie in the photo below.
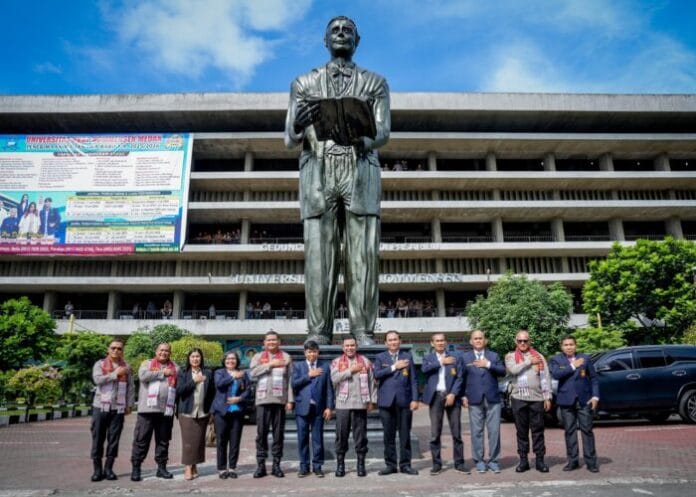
(346, 70)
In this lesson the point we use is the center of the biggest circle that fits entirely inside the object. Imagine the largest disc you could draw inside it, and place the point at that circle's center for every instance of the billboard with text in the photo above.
(95, 194)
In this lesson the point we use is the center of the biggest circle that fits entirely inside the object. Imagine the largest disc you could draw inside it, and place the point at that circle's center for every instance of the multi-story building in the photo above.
(474, 185)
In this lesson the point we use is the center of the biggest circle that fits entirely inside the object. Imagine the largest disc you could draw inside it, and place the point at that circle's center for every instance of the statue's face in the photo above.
(341, 37)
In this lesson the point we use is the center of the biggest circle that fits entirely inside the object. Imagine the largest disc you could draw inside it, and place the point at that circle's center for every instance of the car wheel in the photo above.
(687, 406)
(658, 417)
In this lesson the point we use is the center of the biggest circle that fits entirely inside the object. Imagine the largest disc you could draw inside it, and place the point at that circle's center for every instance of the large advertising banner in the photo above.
(102, 194)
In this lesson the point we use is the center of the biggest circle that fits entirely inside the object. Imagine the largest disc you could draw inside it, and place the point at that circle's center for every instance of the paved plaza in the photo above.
(635, 457)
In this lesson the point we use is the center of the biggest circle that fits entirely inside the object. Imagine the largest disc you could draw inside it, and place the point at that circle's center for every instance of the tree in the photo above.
(690, 335)
(650, 284)
(591, 340)
(36, 384)
(79, 352)
(516, 302)
(212, 351)
(27, 333)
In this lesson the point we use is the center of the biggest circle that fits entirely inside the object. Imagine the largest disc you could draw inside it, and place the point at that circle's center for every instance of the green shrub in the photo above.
(36, 384)
(591, 340)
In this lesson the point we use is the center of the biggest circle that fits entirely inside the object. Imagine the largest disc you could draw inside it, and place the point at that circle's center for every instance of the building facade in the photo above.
(474, 185)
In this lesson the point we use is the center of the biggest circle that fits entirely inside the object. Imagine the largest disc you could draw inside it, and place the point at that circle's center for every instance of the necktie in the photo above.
(394, 357)
(479, 356)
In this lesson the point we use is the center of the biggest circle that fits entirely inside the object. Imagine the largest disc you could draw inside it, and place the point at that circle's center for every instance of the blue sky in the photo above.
(161, 46)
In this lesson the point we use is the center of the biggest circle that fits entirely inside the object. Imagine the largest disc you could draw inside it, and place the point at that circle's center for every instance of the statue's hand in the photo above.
(307, 113)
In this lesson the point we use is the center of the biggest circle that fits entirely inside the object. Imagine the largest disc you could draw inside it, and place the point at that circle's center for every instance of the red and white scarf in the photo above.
(154, 387)
(107, 389)
(343, 364)
(277, 377)
(523, 381)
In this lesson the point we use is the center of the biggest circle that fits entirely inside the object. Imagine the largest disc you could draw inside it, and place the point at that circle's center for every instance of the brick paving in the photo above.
(54, 455)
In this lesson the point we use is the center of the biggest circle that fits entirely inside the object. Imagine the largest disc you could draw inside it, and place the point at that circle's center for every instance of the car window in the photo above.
(651, 358)
(680, 354)
(618, 362)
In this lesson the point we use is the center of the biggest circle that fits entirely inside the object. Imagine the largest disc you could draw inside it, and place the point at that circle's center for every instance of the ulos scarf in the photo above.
(343, 364)
(107, 389)
(154, 387)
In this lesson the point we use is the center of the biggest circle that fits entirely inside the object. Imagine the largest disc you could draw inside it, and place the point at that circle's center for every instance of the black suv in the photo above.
(651, 381)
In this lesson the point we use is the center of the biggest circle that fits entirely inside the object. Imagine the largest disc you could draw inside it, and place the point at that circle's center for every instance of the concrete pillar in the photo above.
(49, 302)
(491, 162)
(549, 162)
(248, 162)
(673, 227)
(178, 304)
(246, 228)
(440, 297)
(113, 305)
(497, 230)
(557, 229)
(436, 229)
(616, 231)
(606, 162)
(432, 161)
(662, 163)
(243, 296)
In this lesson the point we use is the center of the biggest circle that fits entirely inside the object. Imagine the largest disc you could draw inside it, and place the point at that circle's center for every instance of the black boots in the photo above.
(361, 465)
(260, 469)
(109, 469)
(541, 466)
(523, 465)
(340, 465)
(135, 472)
(162, 471)
(275, 469)
(98, 475)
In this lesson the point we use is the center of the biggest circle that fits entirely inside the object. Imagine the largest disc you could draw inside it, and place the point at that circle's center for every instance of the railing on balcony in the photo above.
(216, 314)
(648, 236)
(277, 240)
(467, 238)
(275, 314)
(528, 238)
(587, 238)
(80, 314)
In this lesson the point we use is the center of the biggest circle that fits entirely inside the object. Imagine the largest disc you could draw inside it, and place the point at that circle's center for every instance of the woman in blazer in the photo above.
(195, 392)
(231, 389)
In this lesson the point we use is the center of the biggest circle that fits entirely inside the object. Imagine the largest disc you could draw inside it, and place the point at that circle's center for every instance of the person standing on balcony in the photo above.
(114, 397)
(531, 396)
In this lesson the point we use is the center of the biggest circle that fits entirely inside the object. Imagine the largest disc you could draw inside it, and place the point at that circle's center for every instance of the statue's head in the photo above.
(341, 36)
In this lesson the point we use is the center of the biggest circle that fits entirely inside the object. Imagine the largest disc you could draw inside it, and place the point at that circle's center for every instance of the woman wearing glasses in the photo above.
(113, 398)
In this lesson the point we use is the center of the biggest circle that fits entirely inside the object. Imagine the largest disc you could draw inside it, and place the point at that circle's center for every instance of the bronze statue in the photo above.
(340, 188)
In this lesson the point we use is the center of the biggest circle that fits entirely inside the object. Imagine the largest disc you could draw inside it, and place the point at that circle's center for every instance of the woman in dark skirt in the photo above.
(195, 392)
(231, 389)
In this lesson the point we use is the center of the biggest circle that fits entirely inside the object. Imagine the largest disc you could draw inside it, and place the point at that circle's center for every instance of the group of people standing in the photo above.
(348, 387)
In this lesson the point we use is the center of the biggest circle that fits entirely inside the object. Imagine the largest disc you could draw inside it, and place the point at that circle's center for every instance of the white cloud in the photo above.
(47, 68)
(186, 37)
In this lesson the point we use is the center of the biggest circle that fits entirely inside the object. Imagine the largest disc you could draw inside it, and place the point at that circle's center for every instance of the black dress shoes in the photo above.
(522, 466)
(571, 466)
(318, 473)
(387, 471)
(593, 469)
(303, 473)
(436, 469)
(462, 469)
(408, 470)
(541, 466)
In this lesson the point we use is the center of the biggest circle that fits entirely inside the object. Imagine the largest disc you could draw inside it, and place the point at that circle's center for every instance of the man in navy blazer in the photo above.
(444, 375)
(481, 395)
(397, 396)
(314, 401)
(578, 396)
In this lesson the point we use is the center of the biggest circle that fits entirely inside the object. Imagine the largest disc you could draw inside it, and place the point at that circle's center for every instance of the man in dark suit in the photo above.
(443, 372)
(578, 396)
(397, 396)
(49, 218)
(314, 401)
(480, 394)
